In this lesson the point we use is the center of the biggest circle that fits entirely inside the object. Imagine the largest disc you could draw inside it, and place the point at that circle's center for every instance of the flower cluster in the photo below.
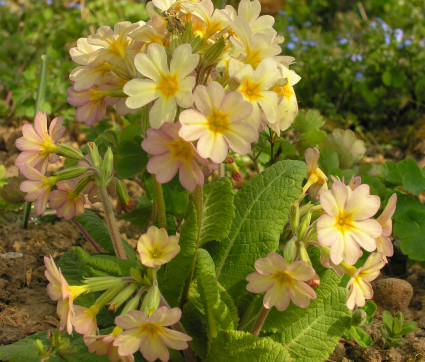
(210, 80)
(146, 329)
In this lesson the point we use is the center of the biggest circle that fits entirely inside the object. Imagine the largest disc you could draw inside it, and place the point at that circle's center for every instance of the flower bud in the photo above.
(282, 82)
(295, 218)
(107, 168)
(94, 154)
(70, 152)
(97, 284)
(122, 296)
(121, 192)
(303, 253)
(212, 55)
(359, 317)
(290, 250)
(151, 301)
(132, 304)
(234, 169)
(71, 172)
(305, 223)
(38, 344)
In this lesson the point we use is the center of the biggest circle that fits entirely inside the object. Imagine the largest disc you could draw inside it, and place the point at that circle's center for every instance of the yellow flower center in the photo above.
(282, 278)
(343, 222)
(48, 146)
(218, 122)
(288, 91)
(156, 254)
(150, 328)
(181, 150)
(97, 95)
(251, 90)
(168, 85)
(118, 46)
(253, 57)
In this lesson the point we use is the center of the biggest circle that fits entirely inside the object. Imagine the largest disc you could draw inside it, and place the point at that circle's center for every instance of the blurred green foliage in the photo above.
(360, 62)
(29, 29)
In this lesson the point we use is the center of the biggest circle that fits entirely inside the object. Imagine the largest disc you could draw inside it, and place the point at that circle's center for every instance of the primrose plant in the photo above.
(205, 83)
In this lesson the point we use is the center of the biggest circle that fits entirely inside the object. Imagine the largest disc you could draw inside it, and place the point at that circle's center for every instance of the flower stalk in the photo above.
(159, 196)
(260, 321)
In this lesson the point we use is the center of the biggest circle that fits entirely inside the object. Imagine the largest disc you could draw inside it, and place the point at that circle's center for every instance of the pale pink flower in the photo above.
(38, 145)
(359, 284)
(219, 124)
(37, 186)
(383, 243)
(156, 247)
(347, 223)
(171, 154)
(84, 319)
(104, 345)
(66, 201)
(170, 85)
(281, 282)
(59, 290)
(91, 104)
(149, 334)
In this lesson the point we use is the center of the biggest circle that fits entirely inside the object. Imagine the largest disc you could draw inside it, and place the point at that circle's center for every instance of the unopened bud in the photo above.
(314, 283)
(295, 218)
(135, 273)
(38, 344)
(151, 301)
(359, 317)
(122, 296)
(304, 224)
(212, 55)
(133, 304)
(282, 82)
(303, 253)
(94, 154)
(69, 173)
(70, 152)
(290, 250)
(81, 184)
(107, 168)
(234, 169)
(121, 192)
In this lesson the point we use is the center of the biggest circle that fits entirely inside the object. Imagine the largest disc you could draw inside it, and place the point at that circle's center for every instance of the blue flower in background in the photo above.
(307, 23)
(74, 6)
(290, 45)
(387, 38)
(398, 35)
(380, 20)
(282, 12)
(2, 3)
(343, 41)
(312, 43)
(290, 28)
(294, 38)
(49, 2)
(386, 27)
(407, 42)
(356, 58)
(373, 24)
(359, 75)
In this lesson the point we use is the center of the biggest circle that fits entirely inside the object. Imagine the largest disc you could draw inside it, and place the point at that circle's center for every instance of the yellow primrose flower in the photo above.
(254, 85)
(316, 179)
(347, 223)
(281, 282)
(156, 247)
(359, 284)
(168, 85)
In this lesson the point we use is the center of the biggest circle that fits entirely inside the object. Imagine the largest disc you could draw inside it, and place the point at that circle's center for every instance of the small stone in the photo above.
(11, 255)
(392, 294)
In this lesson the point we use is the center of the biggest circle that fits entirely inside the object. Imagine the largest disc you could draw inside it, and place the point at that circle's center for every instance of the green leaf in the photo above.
(406, 173)
(108, 265)
(360, 336)
(388, 320)
(328, 161)
(386, 78)
(243, 346)
(410, 228)
(131, 158)
(72, 268)
(217, 314)
(370, 309)
(141, 215)
(408, 327)
(178, 269)
(324, 320)
(99, 232)
(307, 120)
(218, 210)
(262, 208)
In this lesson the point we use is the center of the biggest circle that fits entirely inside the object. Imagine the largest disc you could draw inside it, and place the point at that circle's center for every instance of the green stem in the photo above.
(162, 216)
(260, 321)
(111, 222)
(41, 93)
(198, 201)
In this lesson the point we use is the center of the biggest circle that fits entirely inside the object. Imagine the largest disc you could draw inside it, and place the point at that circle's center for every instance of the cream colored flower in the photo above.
(359, 284)
(383, 242)
(281, 282)
(156, 247)
(347, 223)
(316, 179)
(219, 124)
(168, 85)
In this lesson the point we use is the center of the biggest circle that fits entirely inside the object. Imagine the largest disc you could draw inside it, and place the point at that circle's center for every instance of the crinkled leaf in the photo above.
(410, 228)
(218, 316)
(218, 211)
(406, 173)
(108, 265)
(243, 346)
(262, 208)
(178, 269)
(131, 158)
(300, 329)
(307, 120)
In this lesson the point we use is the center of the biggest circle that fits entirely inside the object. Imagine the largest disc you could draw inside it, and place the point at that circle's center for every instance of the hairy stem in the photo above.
(162, 216)
(260, 321)
(88, 237)
(111, 222)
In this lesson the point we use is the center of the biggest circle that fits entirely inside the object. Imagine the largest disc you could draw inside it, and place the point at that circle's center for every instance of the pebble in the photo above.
(392, 294)
(11, 255)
